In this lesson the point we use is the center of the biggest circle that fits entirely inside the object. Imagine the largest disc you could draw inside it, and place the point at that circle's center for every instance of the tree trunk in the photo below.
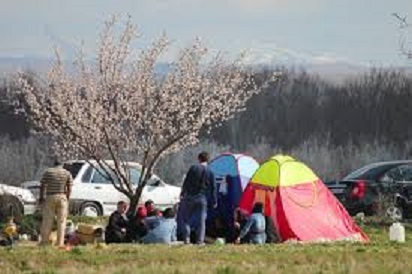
(134, 200)
(132, 207)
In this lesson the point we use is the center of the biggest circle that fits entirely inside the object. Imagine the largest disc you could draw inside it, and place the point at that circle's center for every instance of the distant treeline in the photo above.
(376, 106)
(334, 128)
(12, 124)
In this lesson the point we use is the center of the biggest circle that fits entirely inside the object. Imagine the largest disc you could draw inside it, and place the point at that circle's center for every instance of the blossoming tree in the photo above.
(117, 105)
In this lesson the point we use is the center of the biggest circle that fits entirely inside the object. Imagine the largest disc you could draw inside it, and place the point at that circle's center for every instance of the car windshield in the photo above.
(73, 168)
(371, 172)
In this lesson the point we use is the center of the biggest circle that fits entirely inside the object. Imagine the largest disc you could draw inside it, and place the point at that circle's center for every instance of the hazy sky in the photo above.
(356, 31)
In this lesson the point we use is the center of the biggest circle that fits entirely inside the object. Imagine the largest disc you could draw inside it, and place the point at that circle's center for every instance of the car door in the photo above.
(406, 181)
(101, 189)
(399, 180)
(390, 181)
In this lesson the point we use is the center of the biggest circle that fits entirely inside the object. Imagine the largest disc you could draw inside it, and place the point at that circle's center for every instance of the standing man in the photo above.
(197, 186)
(55, 190)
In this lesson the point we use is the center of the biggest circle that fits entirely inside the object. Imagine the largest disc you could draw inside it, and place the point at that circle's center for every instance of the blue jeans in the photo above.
(259, 238)
(196, 209)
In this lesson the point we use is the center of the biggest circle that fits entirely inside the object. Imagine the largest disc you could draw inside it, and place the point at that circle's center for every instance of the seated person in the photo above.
(240, 220)
(271, 234)
(137, 229)
(156, 212)
(161, 230)
(256, 225)
(218, 230)
(117, 227)
(9, 233)
(150, 208)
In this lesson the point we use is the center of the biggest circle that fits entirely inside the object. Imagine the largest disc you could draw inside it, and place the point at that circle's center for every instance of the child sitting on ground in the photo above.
(9, 233)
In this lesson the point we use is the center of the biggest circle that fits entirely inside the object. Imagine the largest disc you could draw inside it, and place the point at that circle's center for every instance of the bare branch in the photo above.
(405, 49)
(402, 20)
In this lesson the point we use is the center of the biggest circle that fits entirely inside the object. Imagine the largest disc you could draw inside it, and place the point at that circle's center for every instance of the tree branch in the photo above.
(116, 163)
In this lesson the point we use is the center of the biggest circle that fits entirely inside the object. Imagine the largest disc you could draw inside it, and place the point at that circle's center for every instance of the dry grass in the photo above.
(380, 256)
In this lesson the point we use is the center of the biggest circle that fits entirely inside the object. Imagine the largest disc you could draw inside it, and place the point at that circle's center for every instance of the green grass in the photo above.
(379, 256)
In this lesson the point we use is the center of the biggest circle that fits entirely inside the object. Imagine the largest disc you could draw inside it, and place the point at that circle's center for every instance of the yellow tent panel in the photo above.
(282, 170)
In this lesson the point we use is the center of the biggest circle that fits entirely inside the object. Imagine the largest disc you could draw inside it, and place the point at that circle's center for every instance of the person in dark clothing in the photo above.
(180, 216)
(218, 230)
(197, 186)
(271, 234)
(116, 230)
(240, 220)
(137, 229)
(156, 212)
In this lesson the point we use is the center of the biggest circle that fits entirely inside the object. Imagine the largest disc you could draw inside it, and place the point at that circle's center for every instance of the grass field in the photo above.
(379, 256)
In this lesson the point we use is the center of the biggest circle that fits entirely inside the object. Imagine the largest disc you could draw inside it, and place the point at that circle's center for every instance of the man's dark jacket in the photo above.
(113, 229)
(199, 180)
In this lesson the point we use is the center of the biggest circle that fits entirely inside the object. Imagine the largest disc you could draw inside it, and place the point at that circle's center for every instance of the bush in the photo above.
(30, 224)
(10, 206)
(22, 160)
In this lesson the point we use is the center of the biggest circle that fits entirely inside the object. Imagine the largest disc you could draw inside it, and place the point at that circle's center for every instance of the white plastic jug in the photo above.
(397, 232)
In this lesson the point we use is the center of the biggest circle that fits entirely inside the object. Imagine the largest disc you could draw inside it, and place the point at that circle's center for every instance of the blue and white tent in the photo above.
(232, 173)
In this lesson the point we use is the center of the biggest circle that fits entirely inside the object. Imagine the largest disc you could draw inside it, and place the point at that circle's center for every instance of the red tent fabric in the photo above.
(301, 206)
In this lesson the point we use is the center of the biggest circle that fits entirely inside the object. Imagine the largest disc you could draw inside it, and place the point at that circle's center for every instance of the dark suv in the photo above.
(367, 189)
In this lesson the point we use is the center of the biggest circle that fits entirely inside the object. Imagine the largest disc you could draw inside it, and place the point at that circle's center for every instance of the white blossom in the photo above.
(118, 105)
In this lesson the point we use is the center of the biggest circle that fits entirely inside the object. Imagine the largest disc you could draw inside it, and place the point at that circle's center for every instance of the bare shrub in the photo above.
(384, 202)
(328, 161)
(22, 160)
(173, 167)
(333, 162)
(261, 151)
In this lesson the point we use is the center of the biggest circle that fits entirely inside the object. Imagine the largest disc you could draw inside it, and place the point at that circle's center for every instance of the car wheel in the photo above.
(395, 213)
(90, 209)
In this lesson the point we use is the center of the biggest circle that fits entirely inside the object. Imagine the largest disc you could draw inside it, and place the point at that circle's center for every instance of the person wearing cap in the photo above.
(55, 191)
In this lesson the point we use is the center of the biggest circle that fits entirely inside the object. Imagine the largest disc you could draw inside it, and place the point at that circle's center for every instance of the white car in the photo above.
(27, 202)
(94, 195)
